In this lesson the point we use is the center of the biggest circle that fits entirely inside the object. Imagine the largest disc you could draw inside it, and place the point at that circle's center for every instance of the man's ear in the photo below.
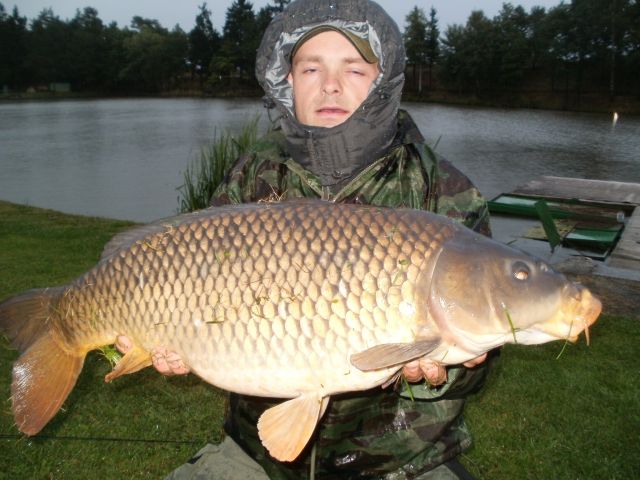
(290, 79)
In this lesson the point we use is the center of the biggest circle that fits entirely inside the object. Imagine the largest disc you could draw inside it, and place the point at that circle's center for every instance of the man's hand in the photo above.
(164, 360)
(433, 372)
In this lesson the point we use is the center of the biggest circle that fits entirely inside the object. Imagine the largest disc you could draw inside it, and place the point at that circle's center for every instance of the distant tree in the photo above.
(629, 51)
(433, 42)
(47, 59)
(237, 54)
(139, 23)
(13, 49)
(266, 14)
(415, 42)
(204, 41)
(619, 20)
(511, 55)
(467, 54)
(154, 58)
(537, 35)
(89, 49)
(116, 57)
(280, 4)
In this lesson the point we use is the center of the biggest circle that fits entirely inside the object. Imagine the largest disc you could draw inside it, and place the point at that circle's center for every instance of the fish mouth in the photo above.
(583, 309)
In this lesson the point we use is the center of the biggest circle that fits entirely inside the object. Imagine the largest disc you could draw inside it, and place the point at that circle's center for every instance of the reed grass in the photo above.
(202, 177)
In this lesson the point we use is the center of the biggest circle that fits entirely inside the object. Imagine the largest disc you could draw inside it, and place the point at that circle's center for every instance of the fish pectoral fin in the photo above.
(286, 428)
(134, 360)
(391, 354)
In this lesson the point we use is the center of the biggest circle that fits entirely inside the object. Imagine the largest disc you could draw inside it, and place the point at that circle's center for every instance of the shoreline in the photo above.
(588, 103)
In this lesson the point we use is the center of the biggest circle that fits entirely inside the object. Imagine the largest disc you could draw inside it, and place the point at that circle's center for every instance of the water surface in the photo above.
(124, 158)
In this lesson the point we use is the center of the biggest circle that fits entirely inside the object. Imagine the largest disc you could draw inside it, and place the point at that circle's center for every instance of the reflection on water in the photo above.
(500, 149)
(124, 158)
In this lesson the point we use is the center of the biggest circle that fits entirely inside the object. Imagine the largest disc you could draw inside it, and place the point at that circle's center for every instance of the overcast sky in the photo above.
(183, 12)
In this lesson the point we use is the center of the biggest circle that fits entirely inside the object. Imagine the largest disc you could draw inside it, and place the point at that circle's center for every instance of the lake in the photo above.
(124, 158)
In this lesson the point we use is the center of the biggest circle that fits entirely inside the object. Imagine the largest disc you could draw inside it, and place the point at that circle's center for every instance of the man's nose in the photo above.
(331, 84)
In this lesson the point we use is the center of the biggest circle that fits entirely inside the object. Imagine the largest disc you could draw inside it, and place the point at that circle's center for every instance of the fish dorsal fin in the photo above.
(391, 354)
(286, 428)
(127, 238)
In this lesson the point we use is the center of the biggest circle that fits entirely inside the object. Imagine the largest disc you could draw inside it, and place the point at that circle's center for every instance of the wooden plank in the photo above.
(627, 251)
(582, 189)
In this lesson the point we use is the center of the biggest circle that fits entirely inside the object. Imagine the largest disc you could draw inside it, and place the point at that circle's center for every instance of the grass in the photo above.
(202, 177)
(575, 417)
(572, 417)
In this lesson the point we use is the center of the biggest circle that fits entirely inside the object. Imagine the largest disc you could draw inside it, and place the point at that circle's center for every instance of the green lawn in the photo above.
(539, 417)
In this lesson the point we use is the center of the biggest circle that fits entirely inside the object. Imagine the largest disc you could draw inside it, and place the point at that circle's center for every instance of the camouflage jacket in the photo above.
(382, 433)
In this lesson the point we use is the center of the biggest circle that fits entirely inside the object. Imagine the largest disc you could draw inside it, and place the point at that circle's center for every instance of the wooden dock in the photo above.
(581, 189)
(616, 281)
(626, 254)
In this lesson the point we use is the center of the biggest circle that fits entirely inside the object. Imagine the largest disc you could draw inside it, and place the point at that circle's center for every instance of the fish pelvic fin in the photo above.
(392, 354)
(286, 428)
(134, 360)
(45, 371)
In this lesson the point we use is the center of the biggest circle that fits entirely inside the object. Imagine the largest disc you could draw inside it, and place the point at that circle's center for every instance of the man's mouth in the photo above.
(332, 111)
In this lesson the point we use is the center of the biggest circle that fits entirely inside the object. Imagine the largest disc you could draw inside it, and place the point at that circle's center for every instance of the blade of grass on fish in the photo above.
(566, 342)
(511, 326)
(407, 388)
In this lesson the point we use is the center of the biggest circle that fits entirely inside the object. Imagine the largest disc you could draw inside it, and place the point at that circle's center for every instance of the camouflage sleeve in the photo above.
(254, 176)
(452, 194)
(250, 179)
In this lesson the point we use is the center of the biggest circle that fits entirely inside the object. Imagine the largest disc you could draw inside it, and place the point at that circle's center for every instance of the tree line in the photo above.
(576, 47)
(579, 47)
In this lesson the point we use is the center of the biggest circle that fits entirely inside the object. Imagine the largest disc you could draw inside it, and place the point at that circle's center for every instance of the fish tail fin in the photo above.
(45, 371)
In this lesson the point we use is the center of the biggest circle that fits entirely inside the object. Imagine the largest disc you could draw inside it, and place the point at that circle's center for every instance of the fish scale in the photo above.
(252, 294)
(297, 300)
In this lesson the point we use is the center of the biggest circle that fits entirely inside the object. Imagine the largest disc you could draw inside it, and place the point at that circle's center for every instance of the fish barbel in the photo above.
(298, 300)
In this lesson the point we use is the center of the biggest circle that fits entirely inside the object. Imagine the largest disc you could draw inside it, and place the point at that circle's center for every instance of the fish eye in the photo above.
(521, 271)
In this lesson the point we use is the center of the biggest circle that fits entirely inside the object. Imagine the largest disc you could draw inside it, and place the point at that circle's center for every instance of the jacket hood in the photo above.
(338, 153)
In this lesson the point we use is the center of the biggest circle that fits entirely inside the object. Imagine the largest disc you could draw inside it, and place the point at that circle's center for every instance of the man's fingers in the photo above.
(176, 364)
(167, 362)
(475, 361)
(123, 343)
(434, 373)
(412, 372)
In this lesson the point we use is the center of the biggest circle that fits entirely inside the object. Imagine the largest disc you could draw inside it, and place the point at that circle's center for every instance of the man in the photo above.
(334, 72)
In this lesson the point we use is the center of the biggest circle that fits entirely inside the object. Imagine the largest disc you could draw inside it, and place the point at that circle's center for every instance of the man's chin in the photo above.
(328, 121)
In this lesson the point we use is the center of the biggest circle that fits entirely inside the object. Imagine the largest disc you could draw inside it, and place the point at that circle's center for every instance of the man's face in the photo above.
(330, 80)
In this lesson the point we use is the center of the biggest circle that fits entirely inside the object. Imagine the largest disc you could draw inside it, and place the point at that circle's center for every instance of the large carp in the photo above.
(298, 300)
